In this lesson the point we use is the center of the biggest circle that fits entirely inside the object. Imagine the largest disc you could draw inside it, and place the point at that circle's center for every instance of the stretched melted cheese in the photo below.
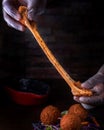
(76, 88)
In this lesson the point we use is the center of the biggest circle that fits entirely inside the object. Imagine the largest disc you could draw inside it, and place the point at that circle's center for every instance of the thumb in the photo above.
(93, 81)
(101, 70)
(90, 83)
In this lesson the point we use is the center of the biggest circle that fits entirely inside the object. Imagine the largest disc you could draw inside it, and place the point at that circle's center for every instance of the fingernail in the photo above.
(22, 28)
(82, 84)
(75, 98)
(18, 17)
(81, 99)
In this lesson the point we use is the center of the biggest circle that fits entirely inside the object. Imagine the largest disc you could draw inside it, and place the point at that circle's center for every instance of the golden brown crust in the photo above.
(70, 122)
(49, 115)
(79, 111)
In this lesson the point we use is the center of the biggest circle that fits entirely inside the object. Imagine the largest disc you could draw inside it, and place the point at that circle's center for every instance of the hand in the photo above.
(96, 85)
(12, 16)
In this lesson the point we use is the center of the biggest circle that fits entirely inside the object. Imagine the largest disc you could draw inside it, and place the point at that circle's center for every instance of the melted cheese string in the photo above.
(32, 27)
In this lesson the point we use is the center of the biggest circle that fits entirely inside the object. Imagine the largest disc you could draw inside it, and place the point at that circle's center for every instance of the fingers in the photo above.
(90, 83)
(11, 15)
(88, 100)
(88, 107)
(85, 105)
(76, 98)
(94, 100)
(10, 10)
(93, 81)
(36, 8)
(13, 23)
(101, 70)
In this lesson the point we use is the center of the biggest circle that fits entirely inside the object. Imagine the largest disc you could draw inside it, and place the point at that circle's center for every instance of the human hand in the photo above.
(96, 85)
(12, 16)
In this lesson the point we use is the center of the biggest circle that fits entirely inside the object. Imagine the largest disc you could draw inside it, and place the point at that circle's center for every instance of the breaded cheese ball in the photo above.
(79, 111)
(70, 122)
(49, 115)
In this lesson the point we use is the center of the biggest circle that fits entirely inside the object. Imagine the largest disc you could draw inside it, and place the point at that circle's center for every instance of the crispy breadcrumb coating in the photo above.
(70, 122)
(79, 111)
(50, 115)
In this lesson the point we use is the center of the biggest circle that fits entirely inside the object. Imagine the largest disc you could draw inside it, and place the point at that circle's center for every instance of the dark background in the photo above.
(74, 32)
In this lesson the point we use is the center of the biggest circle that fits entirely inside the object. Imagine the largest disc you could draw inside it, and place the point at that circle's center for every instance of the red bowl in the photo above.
(26, 98)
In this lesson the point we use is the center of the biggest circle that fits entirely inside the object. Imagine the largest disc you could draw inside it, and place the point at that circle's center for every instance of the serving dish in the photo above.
(27, 91)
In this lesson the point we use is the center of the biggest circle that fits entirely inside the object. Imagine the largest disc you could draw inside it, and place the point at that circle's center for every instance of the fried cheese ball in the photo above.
(79, 111)
(49, 115)
(70, 122)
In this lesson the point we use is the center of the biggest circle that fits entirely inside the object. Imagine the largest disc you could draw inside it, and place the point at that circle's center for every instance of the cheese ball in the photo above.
(70, 122)
(49, 115)
(79, 111)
